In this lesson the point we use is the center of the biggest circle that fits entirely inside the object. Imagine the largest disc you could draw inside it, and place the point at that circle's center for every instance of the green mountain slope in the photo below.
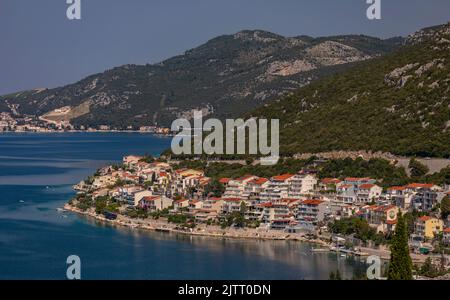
(225, 77)
(398, 103)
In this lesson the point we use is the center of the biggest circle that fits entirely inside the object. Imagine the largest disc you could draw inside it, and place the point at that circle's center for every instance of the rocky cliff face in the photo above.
(225, 77)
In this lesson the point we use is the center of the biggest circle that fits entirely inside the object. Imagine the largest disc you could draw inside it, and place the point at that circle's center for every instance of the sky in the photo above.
(40, 47)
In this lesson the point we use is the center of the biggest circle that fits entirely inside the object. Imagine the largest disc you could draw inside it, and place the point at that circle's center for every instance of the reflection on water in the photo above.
(36, 239)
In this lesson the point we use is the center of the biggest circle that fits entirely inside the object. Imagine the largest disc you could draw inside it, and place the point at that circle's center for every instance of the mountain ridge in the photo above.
(398, 103)
(224, 77)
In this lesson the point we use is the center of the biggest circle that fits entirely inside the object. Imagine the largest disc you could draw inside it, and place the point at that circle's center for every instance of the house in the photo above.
(180, 204)
(277, 188)
(184, 179)
(346, 194)
(194, 205)
(205, 215)
(428, 227)
(275, 211)
(254, 211)
(235, 187)
(384, 213)
(426, 196)
(100, 193)
(328, 184)
(254, 188)
(137, 196)
(232, 205)
(103, 181)
(155, 203)
(131, 160)
(368, 192)
(358, 191)
(446, 236)
(224, 181)
(126, 193)
(312, 211)
(301, 184)
(401, 196)
(214, 203)
(348, 210)
(356, 181)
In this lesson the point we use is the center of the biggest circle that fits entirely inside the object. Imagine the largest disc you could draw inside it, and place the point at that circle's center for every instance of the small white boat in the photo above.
(21, 201)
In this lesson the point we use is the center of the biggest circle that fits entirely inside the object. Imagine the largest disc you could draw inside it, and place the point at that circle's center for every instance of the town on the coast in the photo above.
(350, 215)
(10, 122)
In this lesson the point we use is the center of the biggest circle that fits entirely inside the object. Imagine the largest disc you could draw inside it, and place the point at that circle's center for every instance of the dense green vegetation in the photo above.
(214, 188)
(388, 174)
(370, 107)
(357, 226)
(417, 168)
(219, 170)
(445, 207)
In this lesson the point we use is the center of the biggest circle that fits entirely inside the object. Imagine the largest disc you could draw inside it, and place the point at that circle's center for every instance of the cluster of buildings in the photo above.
(290, 202)
(28, 123)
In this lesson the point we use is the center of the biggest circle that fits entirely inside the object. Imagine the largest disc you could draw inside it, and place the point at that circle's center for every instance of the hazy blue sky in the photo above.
(40, 47)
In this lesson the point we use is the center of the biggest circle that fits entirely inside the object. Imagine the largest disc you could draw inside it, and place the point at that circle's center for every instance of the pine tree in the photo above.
(338, 275)
(332, 276)
(400, 265)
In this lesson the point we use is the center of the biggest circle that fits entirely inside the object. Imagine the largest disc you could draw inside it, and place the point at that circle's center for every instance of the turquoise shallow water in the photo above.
(37, 172)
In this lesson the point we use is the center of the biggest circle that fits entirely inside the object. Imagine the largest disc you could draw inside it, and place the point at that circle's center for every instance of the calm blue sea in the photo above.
(37, 172)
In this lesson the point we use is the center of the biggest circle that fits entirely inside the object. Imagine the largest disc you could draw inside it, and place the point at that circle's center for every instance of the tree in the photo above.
(332, 276)
(417, 168)
(215, 188)
(400, 265)
(445, 207)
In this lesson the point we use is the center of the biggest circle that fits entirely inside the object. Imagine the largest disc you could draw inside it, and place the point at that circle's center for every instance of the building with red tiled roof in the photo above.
(428, 227)
(312, 211)
(224, 180)
(282, 177)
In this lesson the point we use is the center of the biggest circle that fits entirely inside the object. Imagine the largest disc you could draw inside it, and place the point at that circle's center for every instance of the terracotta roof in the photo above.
(282, 177)
(419, 185)
(224, 180)
(244, 177)
(397, 188)
(330, 180)
(260, 181)
(425, 218)
(180, 200)
(366, 186)
(391, 222)
(214, 198)
(355, 179)
(312, 202)
(385, 207)
(447, 230)
(150, 198)
(344, 186)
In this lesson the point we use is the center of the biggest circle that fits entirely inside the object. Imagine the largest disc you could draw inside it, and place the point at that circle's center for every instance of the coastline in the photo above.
(91, 131)
(201, 230)
(214, 231)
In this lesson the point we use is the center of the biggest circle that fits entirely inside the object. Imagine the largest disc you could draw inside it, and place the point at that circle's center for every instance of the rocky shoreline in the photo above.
(227, 233)
(200, 230)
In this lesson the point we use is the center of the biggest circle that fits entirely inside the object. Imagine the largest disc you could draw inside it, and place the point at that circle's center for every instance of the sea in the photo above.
(37, 172)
